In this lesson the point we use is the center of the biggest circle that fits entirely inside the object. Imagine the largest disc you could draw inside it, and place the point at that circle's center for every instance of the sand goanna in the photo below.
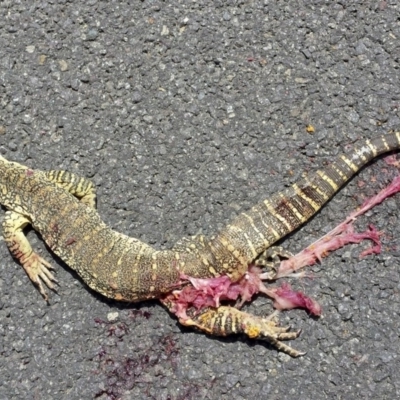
(197, 273)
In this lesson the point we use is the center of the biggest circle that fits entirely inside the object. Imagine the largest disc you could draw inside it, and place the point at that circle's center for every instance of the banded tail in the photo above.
(252, 232)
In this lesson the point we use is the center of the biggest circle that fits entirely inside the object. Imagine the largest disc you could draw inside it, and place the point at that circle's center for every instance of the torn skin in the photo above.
(201, 293)
(341, 235)
(330, 242)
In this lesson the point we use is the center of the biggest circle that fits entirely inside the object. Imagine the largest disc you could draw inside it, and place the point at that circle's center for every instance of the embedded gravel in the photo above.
(183, 114)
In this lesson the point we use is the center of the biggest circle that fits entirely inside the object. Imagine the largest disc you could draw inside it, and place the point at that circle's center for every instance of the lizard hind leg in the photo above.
(81, 188)
(35, 266)
(223, 321)
(271, 259)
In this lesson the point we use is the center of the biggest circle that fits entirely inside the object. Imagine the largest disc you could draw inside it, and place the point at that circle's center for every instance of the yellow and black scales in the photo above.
(61, 207)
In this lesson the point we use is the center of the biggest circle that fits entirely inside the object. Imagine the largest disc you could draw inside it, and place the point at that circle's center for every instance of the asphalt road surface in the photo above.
(183, 115)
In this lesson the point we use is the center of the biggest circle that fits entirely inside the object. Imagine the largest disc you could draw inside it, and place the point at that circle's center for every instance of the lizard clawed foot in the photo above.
(266, 329)
(223, 321)
(38, 270)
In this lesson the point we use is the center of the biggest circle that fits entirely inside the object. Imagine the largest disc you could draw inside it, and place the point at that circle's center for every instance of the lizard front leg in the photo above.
(35, 266)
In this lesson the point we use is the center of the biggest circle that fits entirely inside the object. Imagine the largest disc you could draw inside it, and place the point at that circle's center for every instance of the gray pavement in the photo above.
(184, 114)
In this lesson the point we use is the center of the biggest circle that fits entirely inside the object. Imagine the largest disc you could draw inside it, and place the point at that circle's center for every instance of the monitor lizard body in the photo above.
(61, 207)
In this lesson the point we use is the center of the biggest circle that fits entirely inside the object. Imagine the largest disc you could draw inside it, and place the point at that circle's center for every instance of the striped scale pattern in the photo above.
(61, 207)
(252, 232)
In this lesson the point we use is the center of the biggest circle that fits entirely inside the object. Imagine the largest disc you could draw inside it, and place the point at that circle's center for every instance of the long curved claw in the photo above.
(38, 270)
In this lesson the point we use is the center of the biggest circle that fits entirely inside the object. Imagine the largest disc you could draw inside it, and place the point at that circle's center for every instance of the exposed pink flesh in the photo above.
(210, 292)
(285, 299)
(340, 236)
